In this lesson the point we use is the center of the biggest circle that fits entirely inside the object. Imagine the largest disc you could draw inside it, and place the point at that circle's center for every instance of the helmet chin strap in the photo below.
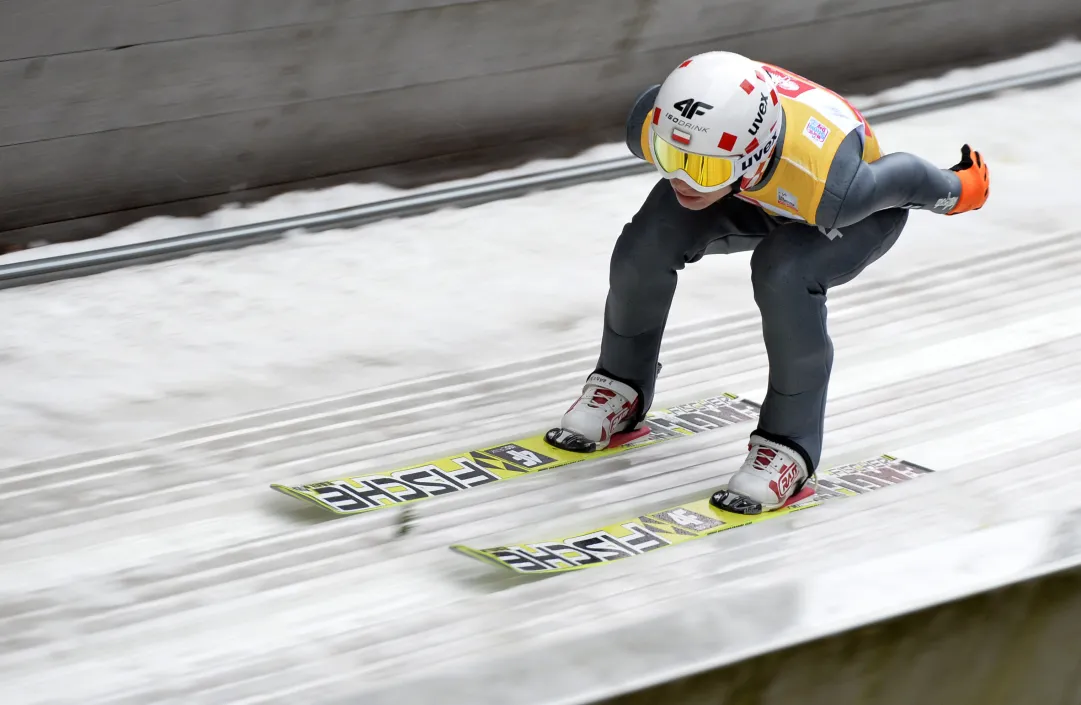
(751, 181)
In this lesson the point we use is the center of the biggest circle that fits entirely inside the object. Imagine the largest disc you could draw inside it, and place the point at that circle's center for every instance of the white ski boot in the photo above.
(605, 408)
(769, 478)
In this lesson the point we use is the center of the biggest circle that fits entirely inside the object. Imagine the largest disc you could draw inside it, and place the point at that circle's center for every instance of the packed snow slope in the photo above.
(156, 566)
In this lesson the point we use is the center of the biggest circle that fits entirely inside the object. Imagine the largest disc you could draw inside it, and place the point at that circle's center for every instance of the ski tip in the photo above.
(287, 490)
(477, 555)
(296, 494)
(464, 550)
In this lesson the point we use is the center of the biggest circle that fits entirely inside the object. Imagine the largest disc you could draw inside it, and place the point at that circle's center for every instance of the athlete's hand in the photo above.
(975, 181)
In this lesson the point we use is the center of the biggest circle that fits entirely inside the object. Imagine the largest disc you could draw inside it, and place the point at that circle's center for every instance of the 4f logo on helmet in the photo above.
(690, 107)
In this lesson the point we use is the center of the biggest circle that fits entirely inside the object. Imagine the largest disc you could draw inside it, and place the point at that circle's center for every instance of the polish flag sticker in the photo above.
(681, 136)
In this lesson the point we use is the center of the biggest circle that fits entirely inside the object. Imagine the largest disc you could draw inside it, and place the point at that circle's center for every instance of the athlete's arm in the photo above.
(855, 189)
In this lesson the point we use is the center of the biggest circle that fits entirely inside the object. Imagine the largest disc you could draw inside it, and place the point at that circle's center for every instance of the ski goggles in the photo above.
(707, 172)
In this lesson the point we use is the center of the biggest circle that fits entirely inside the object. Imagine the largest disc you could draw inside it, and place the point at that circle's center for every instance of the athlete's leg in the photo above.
(658, 242)
(791, 270)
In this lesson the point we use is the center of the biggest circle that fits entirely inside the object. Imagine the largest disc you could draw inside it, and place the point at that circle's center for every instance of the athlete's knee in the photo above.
(637, 259)
(779, 266)
(647, 248)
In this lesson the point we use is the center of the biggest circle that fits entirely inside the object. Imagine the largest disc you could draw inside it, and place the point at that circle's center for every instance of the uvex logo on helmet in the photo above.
(762, 105)
(689, 107)
(752, 158)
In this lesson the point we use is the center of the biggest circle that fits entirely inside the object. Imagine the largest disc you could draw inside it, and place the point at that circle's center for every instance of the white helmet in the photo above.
(716, 119)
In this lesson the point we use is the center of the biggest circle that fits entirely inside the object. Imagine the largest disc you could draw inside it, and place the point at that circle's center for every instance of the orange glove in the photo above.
(975, 181)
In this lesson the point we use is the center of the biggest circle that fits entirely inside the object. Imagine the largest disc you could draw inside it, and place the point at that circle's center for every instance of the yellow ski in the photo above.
(686, 522)
(475, 468)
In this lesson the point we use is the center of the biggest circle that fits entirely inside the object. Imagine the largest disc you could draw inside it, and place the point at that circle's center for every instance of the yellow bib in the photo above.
(818, 120)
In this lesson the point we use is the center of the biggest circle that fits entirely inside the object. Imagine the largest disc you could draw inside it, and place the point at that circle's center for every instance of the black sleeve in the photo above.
(856, 189)
(642, 105)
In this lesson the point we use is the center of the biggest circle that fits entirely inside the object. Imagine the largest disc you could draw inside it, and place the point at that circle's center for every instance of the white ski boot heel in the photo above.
(773, 476)
(605, 409)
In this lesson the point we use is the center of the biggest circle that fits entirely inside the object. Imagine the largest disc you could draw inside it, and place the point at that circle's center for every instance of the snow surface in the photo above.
(139, 352)
(163, 570)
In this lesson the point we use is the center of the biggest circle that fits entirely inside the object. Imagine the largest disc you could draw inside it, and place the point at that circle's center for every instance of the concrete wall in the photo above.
(1014, 646)
(115, 105)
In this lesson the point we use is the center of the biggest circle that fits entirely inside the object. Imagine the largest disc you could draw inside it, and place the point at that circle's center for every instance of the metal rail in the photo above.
(81, 264)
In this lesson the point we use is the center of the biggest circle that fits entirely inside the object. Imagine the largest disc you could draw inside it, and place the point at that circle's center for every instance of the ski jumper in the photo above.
(824, 207)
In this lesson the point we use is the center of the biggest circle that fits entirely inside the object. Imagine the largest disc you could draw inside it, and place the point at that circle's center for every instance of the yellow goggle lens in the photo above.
(707, 172)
